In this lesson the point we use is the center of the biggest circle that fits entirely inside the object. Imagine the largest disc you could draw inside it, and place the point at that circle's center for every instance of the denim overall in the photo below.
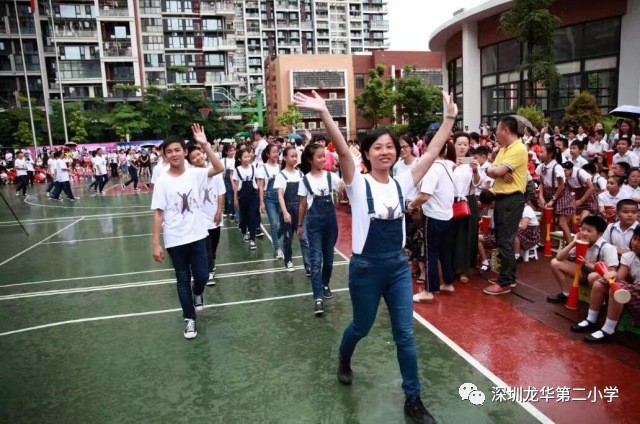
(249, 203)
(229, 208)
(272, 205)
(382, 270)
(322, 234)
(292, 202)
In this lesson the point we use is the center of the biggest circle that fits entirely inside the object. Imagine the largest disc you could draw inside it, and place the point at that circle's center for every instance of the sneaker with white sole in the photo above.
(279, 254)
(318, 309)
(212, 281)
(289, 266)
(190, 331)
(252, 245)
(198, 302)
(246, 238)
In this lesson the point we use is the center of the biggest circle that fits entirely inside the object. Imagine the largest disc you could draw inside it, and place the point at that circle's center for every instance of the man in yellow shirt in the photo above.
(509, 171)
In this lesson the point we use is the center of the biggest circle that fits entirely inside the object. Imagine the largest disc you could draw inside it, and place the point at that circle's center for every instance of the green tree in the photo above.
(11, 119)
(376, 100)
(126, 119)
(417, 102)
(185, 104)
(23, 135)
(291, 117)
(534, 115)
(158, 111)
(532, 24)
(77, 127)
(583, 110)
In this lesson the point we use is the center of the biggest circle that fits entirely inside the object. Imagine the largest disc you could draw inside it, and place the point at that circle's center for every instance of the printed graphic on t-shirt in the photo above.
(185, 203)
(392, 212)
(206, 195)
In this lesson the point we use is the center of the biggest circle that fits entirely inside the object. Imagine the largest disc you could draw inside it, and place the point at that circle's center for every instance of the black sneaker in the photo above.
(198, 302)
(415, 409)
(345, 375)
(190, 331)
(559, 298)
(259, 232)
(326, 292)
(212, 279)
(308, 271)
(318, 310)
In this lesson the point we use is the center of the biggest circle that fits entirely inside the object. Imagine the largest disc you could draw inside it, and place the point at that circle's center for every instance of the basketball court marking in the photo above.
(81, 207)
(54, 220)
(40, 242)
(163, 311)
(144, 283)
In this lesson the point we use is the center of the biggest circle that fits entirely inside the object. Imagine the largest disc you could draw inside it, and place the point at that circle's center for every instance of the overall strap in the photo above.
(600, 250)
(284, 176)
(305, 181)
(266, 172)
(253, 170)
(370, 206)
(553, 176)
(329, 181)
(400, 196)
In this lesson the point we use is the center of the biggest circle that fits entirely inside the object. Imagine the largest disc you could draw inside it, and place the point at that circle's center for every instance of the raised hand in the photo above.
(198, 134)
(314, 102)
(452, 107)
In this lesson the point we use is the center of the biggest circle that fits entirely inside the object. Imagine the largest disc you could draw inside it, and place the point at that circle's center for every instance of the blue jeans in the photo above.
(273, 213)
(190, 259)
(438, 237)
(322, 240)
(133, 177)
(62, 186)
(369, 280)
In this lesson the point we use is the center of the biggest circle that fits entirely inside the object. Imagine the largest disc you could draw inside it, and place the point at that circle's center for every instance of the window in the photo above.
(212, 24)
(311, 125)
(154, 60)
(152, 42)
(214, 59)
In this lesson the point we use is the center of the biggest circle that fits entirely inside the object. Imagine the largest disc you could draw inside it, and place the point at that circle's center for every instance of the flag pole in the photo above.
(26, 79)
(58, 75)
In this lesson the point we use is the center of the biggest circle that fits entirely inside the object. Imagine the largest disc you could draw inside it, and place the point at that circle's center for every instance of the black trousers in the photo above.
(212, 245)
(507, 216)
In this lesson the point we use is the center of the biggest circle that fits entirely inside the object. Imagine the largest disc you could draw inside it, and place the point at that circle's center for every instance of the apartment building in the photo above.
(83, 49)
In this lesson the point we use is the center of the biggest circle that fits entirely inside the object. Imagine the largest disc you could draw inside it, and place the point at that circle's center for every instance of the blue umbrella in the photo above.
(294, 137)
(434, 126)
(626, 111)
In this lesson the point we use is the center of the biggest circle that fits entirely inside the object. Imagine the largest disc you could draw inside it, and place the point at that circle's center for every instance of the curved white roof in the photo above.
(439, 37)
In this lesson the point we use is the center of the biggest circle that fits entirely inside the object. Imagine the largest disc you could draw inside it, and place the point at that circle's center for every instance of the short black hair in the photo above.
(624, 165)
(474, 136)
(625, 202)
(590, 168)
(600, 132)
(596, 222)
(578, 144)
(319, 137)
(173, 139)
(481, 150)
(370, 138)
(567, 164)
(625, 139)
(191, 147)
(259, 132)
(486, 197)
(511, 124)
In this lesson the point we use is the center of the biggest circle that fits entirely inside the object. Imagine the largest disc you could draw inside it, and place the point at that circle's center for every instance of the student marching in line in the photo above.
(316, 204)
(52, 168)
(245, 196)
(99, 163)
(287, 184)
(62, 177)
(229, 163)
(379, 268)
(132, 166)
(554, 192)
(578, 182)
(212, 202)
(176, 203)
(21, 169)
(269, 195)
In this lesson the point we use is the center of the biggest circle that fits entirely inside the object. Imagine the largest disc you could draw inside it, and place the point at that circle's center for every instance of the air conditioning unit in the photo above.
(312, 125)
(333, 96)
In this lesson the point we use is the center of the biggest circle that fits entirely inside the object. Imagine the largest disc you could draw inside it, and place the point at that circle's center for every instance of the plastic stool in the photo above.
(530, 254)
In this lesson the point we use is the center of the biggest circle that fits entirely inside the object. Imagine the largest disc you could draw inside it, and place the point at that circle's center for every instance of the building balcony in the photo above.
(378, 25)
(215, 78)
(117, 50)
(377, 44)
(213, 8)
(287, 5)
(367, 8)
(113, 12)
(252, 4)
(225, 45)
(75, 36)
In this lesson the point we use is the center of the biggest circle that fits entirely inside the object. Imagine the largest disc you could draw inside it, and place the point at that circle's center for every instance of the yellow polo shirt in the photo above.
(514, 157)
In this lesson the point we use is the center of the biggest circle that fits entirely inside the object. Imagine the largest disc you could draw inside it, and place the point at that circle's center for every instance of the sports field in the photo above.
(91, 331)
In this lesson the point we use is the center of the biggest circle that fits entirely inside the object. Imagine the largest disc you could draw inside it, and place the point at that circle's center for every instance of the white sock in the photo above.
(485, 262)
(609, 326)
(565, 293)
(592, 316)
(517, 255)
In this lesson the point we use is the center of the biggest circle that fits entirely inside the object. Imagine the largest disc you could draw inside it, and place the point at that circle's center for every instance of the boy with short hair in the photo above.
(21, 169)
(175, 202)
(624, 155)
(575, 150)
(619, 233)
(591, 231)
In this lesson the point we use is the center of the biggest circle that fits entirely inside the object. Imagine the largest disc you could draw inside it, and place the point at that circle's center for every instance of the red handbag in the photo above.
(460, 208)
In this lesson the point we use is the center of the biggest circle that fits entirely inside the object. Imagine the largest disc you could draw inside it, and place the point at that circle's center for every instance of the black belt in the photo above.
(502, 196)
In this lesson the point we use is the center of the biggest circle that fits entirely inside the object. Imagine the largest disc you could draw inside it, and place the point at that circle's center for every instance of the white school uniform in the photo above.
(633, 193)
(579, 162)
(178, 197)
(631, 260)
(318, 186)
(601, 251)
(606, 199)
(386, 204)
(62, 171)
(439, 185)
(578, 178)
(549, 171)
(100, 165)
(528, 212)
(399, 169)
(597, 147)
(621, 239)
(20, 165)
(272, 170)
(292, 177)
(629, 157)
(209, 197)
(244, 175)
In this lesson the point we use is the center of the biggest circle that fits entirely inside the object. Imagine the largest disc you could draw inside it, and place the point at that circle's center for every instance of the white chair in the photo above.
(530, 254)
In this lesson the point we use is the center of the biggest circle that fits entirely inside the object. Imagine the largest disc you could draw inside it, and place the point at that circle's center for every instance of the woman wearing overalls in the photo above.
(229, 162)
(321, 225)
(378, 268)
(269, 195)
(245, 192)
(287, 183)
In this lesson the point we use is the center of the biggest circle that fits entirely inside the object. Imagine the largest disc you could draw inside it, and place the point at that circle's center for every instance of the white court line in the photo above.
(88, 277)
(40, 242)
(539, 415)
(144, 283)
(71, 218)
(164, 311)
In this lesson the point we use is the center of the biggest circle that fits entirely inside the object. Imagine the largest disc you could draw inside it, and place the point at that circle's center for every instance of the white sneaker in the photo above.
(198, 302)
(48, 194)
(212, 281)
(289, 266)
(252, 245)
(279, 254)
(190, 331)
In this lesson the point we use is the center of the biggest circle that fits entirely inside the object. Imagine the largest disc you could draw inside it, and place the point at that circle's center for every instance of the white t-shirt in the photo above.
(385, 202)
(100, 165)
(463, 180)
(633, 193)
(29, 164)
(579, 162)
(20, 166)
(318, 186)
(601, 251)
(63, 171)
(292, 177)
(179, 198)
(159, 169)
(632, 261)
(113, 157)
(132, 160)
(209, 199)
(8, 156)
(244, 175)
(440, 187)
(614, 235)
(262, 144)
(228, 164)
(578, 178)
(528, 212)
(597, 147)
(606, 199)
(629, 157)
(271, 170)
(399, 169)
(599, 182)
(549, 171)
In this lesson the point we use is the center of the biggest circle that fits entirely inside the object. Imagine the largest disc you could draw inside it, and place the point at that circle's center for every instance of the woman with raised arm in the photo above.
(378, 267)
